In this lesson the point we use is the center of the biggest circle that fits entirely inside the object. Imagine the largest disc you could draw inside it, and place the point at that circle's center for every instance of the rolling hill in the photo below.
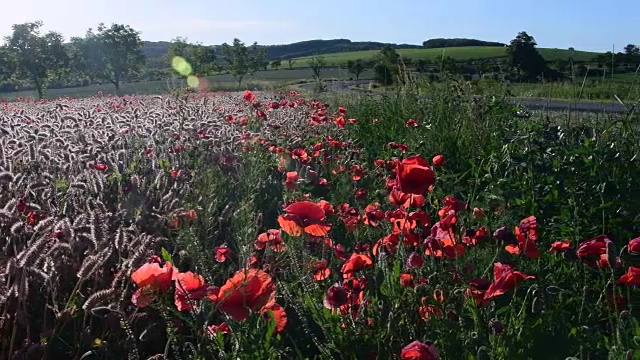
(155, 51)
(458, 53)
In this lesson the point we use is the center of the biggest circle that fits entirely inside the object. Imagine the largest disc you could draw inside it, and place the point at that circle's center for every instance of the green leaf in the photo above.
(166, 256)
(271, 327)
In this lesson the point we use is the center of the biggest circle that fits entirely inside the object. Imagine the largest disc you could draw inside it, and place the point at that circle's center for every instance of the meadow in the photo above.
(457, 53)
(280, 225)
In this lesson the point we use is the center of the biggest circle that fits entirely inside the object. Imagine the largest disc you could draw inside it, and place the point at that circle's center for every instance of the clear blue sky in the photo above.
(585, 25)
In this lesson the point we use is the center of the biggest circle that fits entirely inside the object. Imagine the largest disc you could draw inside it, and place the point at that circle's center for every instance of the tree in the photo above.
(631, 49)
(355, 67)
(275, 64)
(290, 62)
(112, 54)
(317, 63)
(33, 56)
(7, 64)
(383, 74)
(201, 58)
(389, 56)
(387, 68)
(524, 56)
(241, 60)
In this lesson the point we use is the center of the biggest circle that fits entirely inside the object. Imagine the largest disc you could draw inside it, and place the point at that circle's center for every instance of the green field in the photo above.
(458, 53)
(224, 82)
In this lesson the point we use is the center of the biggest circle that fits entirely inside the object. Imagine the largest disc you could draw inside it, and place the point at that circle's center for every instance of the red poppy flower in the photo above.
(373, 215)
(631, 277)
(249, 96)
(591, 251)
(634, 246)
(414, 175)
(336, 297)
(527, 235)
(415, 261)
(419, 351)
(278, 313)
(100, 167)
(326, 207)
(292, 180)
(152, 275)
(222, 253)
(357, 172)
(355, 263)
(304, 216)
(438, 161)
(248, 290)
(428, 310)
(504, 279)
(477, 289)
(222, 328)
(406, 280)
(320, 270)
(272, 239)
(560, 246)
(189, 286)
(411, 123)
(151, 278)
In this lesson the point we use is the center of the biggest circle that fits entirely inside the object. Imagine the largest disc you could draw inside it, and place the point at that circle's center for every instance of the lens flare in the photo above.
(193, 81)
(181, 66)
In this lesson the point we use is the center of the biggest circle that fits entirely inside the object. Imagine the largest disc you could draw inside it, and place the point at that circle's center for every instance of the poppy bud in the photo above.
(496, 327)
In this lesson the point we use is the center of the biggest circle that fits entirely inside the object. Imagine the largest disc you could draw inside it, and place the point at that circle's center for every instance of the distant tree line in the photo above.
(30, 59)
(457, 42)
(111, 54)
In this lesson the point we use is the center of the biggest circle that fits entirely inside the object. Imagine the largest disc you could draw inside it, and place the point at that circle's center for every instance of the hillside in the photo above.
(155, 51)
(458, 53)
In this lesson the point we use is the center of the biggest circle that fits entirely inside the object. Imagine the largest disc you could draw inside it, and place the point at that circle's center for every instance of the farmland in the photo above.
(457, 53)
(272, 225)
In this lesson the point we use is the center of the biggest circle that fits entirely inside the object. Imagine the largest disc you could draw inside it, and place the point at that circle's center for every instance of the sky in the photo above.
(590, 25)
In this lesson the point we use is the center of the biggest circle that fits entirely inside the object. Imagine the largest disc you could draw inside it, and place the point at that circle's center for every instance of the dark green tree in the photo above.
(317, 64)
(7, 64)
(111, 54)
(201, 58)
(290, 62)
(631, 49)
(275, 64)
(387, 68)
(243, 60)
(355, 67)
(524, 57)
(33, 56)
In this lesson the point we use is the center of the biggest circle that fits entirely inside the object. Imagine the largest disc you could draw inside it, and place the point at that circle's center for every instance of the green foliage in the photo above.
(524, 57)
(201, 58)
(387, 69)
(384, 74)
(355, 67)
(111, 54)
(33, 56)
(242, 60)
(275, 64)
(317, 64)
